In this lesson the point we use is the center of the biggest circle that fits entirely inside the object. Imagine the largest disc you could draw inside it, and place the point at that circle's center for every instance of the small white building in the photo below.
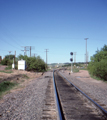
(21, 65)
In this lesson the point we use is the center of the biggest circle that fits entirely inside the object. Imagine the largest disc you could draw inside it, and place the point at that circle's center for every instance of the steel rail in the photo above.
(97, 105)
(60, 116)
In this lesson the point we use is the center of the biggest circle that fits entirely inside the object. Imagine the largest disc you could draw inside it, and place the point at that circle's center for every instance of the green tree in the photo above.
(6, 62)
(9, 57)
(98, 64)
(34, 63)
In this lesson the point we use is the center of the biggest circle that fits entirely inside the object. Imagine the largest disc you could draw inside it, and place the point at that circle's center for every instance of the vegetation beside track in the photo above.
(6, 86)
(98, 65)
(35, 64)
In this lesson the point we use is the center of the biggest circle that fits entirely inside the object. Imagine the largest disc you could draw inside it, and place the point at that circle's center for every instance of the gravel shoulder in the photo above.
(27, 103)
(96, 89)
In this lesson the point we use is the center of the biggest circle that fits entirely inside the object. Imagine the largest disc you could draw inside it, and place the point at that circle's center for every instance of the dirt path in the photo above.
(84, 76)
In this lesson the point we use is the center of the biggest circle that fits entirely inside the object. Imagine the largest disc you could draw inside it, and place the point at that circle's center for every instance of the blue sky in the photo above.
(57, 25)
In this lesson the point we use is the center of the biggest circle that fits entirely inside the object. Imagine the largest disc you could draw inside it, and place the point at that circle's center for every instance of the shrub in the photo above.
(6, 85)
(9, 67)
(6, 62)
(98, 65)
(34, 63)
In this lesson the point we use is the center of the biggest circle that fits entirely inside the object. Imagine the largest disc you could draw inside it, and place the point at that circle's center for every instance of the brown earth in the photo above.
(2, 67)
(83, 75)
(18, 76)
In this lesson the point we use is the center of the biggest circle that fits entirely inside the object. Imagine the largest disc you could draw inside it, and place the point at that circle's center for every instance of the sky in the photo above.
(60, 26)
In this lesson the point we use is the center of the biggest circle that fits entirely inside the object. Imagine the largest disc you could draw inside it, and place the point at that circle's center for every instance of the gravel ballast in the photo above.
(97, 90)
(26, 104)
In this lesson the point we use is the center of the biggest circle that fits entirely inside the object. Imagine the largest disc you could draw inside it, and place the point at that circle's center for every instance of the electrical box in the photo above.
(21, 65)
(13, 66)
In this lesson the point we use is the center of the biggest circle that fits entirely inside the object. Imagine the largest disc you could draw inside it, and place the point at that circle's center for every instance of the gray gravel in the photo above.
(95, 89)
(26, 104)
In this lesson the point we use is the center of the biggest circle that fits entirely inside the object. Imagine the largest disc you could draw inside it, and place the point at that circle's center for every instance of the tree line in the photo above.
(33, 63)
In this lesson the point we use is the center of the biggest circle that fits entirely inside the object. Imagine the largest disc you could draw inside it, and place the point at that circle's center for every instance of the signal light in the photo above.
(71, 53)
(71, 59)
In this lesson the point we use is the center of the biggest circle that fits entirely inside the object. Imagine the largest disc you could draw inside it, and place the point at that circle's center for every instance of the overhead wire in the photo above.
(9, 43)
(8, 31)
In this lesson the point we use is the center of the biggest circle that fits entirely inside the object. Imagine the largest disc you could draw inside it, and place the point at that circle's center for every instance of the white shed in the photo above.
(21, 65)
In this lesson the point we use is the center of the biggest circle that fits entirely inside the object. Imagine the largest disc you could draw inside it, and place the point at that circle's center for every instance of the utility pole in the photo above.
(30, 48)
(86, 50)
(24, 50)
(46, 54)
(35, 54)
(87, 57)
(14, 57)
(30, 51)
(9, 54)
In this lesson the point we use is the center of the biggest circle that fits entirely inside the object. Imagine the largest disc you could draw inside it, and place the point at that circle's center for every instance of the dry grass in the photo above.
(21, 77)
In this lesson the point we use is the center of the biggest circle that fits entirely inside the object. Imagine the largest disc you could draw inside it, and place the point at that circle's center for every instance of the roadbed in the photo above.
(28, 103)
(96, 89)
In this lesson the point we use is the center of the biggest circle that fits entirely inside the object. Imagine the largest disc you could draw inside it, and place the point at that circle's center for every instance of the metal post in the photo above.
(71, 67)
(86, 50)
(71, 60)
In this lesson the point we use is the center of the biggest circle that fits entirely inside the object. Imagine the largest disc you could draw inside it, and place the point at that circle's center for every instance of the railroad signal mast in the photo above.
(71, 59)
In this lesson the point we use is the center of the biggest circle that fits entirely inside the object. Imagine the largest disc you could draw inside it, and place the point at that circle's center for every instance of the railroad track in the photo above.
(73, 104)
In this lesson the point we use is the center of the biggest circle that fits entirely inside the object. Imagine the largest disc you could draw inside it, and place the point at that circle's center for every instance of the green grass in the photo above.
(82, 68)
(97, 78)
(75, 70)
(8, 68)
(6, 86)
(25, 76)
(6, 71)
(94, 77)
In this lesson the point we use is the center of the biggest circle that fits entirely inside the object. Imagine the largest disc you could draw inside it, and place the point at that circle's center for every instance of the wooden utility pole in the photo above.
(9, 54)
(30, 51)
(24, 50)
(14, 57)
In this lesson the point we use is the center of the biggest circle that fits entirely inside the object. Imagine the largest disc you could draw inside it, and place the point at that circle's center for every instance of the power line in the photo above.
(4, 50)
(6, 30)
(9, 43)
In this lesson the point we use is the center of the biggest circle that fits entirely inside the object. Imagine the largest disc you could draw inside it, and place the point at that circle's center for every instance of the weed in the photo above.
(97, 78)
(82, 68)
(75, 70)
(25, 76)
(5, 86)
(6, 71)
(8, 68)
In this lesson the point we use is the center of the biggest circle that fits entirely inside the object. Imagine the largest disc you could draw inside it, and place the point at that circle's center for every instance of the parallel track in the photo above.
(71, 103)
